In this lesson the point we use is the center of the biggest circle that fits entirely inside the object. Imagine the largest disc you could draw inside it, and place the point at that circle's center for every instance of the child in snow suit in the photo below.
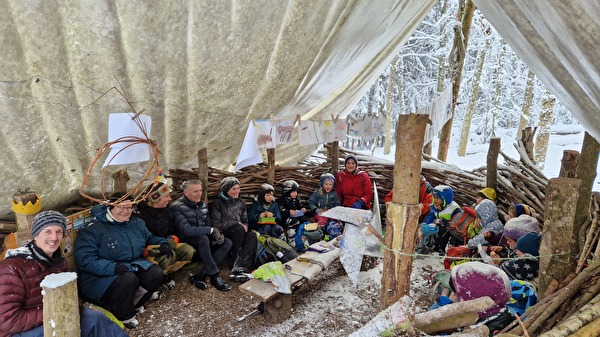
(290, 206)
(436, 221)
(325, 197)
(265, 206)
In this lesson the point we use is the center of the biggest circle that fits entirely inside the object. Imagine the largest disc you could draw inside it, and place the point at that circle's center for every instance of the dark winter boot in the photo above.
(198, 280)
(218, 283)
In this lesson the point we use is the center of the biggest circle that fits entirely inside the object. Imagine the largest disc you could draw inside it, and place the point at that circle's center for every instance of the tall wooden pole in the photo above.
(334, 155)
(404, 211)
(586, 172)
(491, 178)
(203, 171)
(270, 166)
(446, 131)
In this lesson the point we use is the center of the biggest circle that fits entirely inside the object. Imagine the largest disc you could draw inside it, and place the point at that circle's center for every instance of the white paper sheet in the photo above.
(249, 153)
(121, 125)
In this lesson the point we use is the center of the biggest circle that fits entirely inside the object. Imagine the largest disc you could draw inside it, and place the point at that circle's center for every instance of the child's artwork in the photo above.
(249, 153)
(355, 127)
(121, 125)
(373, 126)
(284, 131)
(309, 133)
(265, 134)
(439, 112)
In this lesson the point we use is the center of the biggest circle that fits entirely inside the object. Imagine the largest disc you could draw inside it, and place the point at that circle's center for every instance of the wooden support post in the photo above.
(491, 177)
(203, 171)
(558, 246)
(568, 163)
(271, 166)
(120, 179)
(403, 214)
(586, 172)
(278, 308)
(334, 155)
(61, 305)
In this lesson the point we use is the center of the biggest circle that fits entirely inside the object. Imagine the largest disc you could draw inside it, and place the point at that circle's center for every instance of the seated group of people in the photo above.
(509, 253)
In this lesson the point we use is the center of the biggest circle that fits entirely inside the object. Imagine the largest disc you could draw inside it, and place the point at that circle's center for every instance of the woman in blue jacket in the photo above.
(109, 256)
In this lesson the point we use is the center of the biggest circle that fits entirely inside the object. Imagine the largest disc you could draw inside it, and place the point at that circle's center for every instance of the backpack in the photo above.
(273, 249)
(305, 238)
(456, 256)
(462, 224)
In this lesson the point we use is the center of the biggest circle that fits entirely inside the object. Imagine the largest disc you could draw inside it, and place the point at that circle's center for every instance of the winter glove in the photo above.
(165, 249)
(217, 237)
(122, 268)
(359, 204)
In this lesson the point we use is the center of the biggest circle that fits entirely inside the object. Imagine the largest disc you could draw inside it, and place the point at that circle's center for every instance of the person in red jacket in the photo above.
(425, 196)
(21, 305)
(353, 186)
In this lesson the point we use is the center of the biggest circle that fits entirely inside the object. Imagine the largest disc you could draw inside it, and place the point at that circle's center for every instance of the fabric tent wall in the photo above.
(200, 69)
(559, 41)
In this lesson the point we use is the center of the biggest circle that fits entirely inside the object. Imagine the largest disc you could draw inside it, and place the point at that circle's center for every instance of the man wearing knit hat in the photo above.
(228, 213)
(21, 306)
(156, 215)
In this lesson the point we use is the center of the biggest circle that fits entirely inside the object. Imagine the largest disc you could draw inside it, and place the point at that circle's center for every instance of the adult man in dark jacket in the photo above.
(156, 215)
(22, 271)
(193, 226)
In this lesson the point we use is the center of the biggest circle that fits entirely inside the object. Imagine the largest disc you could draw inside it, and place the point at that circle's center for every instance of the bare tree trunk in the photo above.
(496, 102)
(541, 144)
(389, 106)
(446, 132)
(527, 101)
(466, 124)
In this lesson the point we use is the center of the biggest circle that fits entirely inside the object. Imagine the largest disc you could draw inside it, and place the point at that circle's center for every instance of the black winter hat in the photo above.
(263, 190)
(348, 157)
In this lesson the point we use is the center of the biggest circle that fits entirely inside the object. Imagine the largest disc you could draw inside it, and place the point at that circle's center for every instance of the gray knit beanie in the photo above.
(227, 183)
(48, 218)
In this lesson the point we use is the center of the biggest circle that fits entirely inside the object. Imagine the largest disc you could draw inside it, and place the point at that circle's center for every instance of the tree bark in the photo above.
(334, 155)
(527, 136)
(558, 246)
(527, 102)
(545, 120)
(446, 132)
(120, 179)
(404, 211)
(568, 164)
(203, 171)
(586, 172)
(491, 175)
(466, 124)
(271, 166)
(389, 107)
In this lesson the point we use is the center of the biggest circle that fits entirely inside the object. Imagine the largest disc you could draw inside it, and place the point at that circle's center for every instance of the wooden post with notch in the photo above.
(568, 163)
(203, 171)
(491, 178)
(404, 210)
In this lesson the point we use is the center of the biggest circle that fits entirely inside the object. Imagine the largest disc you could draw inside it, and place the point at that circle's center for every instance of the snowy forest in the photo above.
(498, 94)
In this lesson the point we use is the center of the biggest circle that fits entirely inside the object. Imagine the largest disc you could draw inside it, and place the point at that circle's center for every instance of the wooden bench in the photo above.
(277, 307)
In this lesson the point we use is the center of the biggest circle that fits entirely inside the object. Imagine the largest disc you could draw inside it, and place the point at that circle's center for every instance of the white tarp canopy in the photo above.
(200, 69)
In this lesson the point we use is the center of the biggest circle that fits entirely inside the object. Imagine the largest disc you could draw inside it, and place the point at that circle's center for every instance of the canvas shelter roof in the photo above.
(203, 69)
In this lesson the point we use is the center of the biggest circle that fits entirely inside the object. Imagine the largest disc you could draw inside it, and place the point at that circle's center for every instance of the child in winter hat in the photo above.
(45, 219)
(472, 280)
(486, 193)
(265, 206)
(515, 228)
(517, 210)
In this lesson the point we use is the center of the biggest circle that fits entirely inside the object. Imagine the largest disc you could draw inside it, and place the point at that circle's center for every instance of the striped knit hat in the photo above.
(46, 219)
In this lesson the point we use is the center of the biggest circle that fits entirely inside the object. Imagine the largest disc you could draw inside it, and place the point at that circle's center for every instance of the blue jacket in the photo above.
(191, 219)
(103, 244)
(323, 200)
(257, 208)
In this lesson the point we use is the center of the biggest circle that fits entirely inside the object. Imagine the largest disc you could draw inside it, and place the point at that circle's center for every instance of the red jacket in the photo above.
(424, 198)
(20, 292)
(352, 187)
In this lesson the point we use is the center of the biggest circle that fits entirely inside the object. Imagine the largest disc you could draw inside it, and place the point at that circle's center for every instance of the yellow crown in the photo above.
(30, 207)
